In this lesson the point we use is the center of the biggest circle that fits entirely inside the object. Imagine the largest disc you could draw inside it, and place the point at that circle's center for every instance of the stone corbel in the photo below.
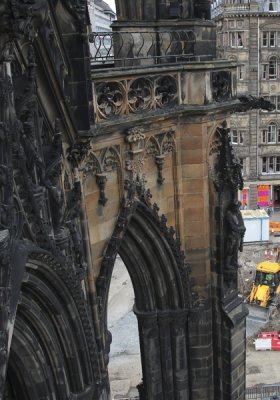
(135, 137)
(101, 180)
(159, 160)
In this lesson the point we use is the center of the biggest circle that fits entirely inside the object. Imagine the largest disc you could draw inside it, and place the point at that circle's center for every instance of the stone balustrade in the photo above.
(117, 94)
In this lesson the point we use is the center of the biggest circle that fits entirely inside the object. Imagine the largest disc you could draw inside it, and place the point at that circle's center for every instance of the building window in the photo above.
(271, 133)
(234, 137)
(264, 71)
(263, 136)
(265, 39)
(272, 68)
(264, 164)
(241, 136)
(236, 39)
(271, 165)
(269, 71)
(277, 164)
(271, 38)
(237, 136)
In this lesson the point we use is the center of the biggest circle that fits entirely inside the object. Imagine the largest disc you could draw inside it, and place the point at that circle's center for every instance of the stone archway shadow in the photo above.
(160, 279)
(53, 354)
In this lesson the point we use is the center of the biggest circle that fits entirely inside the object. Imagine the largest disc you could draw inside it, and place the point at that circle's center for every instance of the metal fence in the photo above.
(264, 392)
(135, 48)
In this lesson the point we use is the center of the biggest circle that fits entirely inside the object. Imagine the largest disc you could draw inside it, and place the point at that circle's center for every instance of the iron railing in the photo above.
(228, 8)
(143, 48)
(263, 392)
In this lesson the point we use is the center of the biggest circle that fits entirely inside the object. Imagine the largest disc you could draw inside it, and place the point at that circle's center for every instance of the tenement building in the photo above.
(248, 32)
(127, 157)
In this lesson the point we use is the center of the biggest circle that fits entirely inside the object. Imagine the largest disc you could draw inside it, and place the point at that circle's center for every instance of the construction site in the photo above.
(262, 367)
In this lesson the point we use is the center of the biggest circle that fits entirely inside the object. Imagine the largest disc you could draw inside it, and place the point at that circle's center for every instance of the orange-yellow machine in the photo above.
(267, 282)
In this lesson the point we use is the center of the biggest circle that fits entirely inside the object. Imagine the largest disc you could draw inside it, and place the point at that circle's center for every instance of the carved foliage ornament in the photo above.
(100, 163)
(135, 134)
(158, 146)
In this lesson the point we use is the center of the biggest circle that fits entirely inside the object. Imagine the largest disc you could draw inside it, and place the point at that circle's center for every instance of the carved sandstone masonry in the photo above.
(158, 146)
(130, 96)
(100, 163)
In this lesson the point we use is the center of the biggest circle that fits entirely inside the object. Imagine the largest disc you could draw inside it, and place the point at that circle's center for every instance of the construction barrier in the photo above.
(268, 341)
(274, 228)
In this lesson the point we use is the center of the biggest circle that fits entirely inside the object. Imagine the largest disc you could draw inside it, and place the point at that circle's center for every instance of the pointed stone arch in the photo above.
(53, 353)
(160, 278)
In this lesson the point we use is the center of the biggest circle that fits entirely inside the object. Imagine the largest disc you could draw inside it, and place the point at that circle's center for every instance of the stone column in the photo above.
(233, 352)
(166, 355)
(200, 352)
(180, 356)
(150, 354)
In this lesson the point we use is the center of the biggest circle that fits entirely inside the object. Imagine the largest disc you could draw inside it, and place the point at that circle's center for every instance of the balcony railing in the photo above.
(143, 47)
(228, 8)
(262, 392)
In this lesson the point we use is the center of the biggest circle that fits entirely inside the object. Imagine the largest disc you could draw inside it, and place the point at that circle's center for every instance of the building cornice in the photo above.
(238, 14)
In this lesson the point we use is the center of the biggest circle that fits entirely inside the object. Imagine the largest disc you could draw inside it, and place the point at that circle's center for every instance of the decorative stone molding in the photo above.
(135, 134)
(225, 169)
(159, 146)
(100, 164)
(130, 96)
(225, 172)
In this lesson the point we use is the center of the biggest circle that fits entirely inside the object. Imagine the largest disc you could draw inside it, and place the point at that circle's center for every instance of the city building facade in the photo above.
(248, 32)
(132, 158)
(101, 17)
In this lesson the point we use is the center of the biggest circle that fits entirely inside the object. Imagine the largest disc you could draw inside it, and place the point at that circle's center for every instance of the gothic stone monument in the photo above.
(125, 152)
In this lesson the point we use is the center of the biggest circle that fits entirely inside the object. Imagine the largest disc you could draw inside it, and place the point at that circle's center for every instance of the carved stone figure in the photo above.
(248, 102)
(53, 171)
(236, 232)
